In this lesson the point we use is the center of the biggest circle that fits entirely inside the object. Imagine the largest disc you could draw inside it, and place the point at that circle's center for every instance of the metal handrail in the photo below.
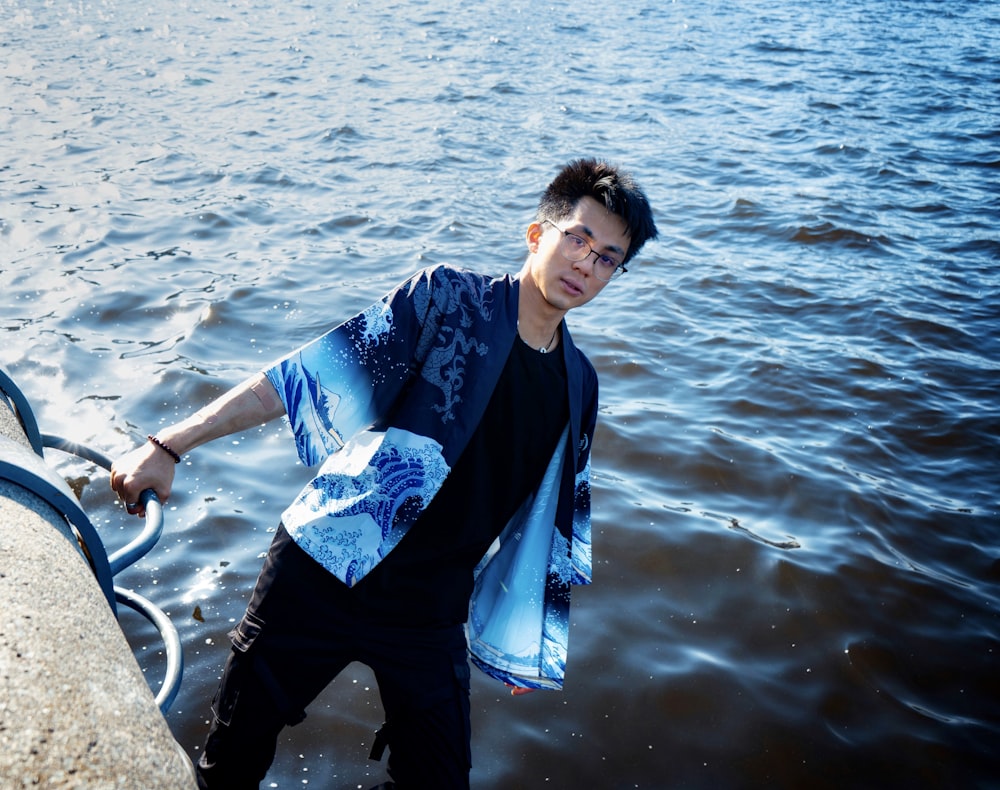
(152, 529)
(22, 410)
(171, 641)
(104, 567)
(128, 555)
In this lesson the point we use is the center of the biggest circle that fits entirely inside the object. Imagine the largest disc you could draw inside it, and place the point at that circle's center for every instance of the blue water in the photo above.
(797, 470)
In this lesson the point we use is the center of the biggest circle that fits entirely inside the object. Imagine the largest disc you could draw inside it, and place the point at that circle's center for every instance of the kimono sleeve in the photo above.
(347, 379)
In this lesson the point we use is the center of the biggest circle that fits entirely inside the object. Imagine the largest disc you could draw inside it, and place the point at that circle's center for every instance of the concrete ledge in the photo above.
(75, 709)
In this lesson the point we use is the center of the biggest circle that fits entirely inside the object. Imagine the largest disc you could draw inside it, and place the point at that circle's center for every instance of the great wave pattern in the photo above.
(376, 486)
(530, 573)
(327, 386)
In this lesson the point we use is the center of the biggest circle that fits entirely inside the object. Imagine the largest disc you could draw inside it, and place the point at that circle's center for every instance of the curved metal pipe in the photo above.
(22, 410)
(171, 641)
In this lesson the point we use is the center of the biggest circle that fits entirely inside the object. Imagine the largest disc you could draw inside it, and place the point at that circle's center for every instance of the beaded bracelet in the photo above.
(162, 446)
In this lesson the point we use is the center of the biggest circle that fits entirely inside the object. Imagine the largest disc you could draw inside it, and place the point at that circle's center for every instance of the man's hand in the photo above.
(147, 466)
(518, 691)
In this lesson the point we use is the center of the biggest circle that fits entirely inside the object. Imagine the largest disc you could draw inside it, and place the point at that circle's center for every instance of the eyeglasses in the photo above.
(576, 248)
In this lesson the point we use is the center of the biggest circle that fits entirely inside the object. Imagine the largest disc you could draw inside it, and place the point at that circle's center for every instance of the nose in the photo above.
(591, 257)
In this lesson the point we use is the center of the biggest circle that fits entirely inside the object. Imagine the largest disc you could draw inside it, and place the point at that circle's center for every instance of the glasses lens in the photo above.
(618, 271)
(574, 248)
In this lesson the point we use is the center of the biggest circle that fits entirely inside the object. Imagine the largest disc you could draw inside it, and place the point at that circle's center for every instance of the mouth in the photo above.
(573, 287)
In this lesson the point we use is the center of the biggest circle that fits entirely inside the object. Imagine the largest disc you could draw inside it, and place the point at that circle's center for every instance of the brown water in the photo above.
(797, 576)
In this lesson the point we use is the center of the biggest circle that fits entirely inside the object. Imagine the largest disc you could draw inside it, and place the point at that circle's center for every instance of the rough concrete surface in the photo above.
(75, 708)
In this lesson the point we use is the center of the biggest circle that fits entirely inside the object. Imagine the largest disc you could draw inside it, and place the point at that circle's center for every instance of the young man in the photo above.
(452, 424)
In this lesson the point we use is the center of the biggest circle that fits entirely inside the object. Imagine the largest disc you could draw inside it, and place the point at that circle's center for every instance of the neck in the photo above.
(537, 321)
(539, 332)
(544, 346)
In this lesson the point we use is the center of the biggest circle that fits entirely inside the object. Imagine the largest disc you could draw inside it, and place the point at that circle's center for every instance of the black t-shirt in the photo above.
(426, 580)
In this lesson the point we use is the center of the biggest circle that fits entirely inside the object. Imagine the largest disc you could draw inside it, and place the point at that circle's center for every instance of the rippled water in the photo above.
(797, 576)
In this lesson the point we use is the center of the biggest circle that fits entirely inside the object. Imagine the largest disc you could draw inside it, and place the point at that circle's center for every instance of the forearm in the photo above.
(247, 405)
(151, 465)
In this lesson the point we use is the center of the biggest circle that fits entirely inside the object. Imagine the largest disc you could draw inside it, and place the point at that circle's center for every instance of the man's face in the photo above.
(564, 283)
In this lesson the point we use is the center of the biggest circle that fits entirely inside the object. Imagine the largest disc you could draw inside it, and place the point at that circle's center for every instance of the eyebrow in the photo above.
(590, 235)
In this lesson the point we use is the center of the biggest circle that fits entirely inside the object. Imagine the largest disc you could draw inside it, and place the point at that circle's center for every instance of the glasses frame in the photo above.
(619, 269)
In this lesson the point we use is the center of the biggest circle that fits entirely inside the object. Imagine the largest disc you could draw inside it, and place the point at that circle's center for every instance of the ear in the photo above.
(533, 235)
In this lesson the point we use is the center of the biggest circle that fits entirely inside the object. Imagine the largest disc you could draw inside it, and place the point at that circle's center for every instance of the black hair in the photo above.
(610, 186)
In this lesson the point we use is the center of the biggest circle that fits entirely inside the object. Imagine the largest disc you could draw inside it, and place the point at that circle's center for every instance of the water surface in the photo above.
(796, 480)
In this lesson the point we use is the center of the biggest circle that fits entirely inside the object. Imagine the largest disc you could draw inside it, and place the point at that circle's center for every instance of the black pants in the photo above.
(292, 642)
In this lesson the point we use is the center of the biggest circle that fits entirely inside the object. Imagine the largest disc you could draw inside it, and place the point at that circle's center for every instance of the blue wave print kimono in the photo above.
(385, 403)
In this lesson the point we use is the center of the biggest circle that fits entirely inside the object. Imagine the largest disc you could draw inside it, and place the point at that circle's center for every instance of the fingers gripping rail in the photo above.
(27, 468)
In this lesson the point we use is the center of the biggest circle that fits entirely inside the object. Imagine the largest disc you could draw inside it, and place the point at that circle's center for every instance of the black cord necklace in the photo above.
(543, 349)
